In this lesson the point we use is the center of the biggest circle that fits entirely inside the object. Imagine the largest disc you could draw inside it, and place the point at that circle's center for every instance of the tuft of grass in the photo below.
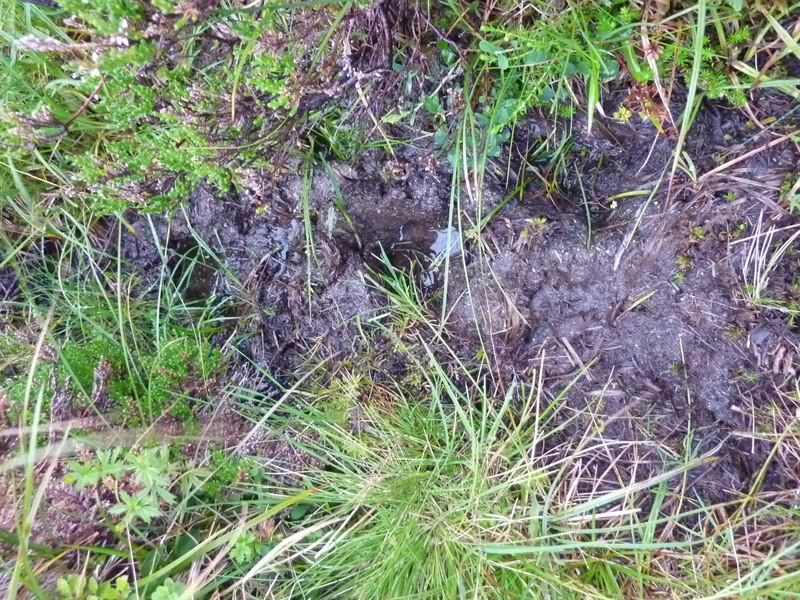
(146, 358)
(763, 255)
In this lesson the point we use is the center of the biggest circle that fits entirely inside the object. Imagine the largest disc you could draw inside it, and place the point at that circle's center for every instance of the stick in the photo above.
(747, 155)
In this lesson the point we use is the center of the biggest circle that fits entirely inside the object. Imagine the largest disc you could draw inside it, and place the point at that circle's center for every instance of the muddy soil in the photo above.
(643, 301)
(646, 293)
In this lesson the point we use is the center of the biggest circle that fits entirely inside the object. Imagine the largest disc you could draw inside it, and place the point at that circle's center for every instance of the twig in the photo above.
(747, 155)
(85, 104)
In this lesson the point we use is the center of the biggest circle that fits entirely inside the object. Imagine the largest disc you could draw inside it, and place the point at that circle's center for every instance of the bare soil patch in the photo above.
(648, 296)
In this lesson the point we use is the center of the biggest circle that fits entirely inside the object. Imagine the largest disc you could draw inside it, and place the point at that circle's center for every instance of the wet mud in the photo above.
(642, 289)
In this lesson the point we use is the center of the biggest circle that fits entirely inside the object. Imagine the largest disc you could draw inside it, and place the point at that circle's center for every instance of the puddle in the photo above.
(448, 243)
(426, 248)
(191, 270)
(284, 242)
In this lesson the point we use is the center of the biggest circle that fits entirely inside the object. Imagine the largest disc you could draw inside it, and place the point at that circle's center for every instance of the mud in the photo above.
(647, 296)
(644, 303)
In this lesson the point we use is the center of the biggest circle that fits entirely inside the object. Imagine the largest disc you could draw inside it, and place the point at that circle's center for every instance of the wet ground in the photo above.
(665, 300)
(649, 290)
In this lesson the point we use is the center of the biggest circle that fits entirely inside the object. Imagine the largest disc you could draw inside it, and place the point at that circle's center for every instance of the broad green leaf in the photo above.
(489, 47)
(432, 104)
(395, 117)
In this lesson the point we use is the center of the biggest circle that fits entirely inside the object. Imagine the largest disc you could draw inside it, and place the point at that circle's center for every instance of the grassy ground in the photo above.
(146, 454)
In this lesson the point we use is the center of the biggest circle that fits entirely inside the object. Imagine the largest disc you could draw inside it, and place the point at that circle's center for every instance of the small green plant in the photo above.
(244, 550)
(697, 232)
(491, 53)
(89, 473)
(734, 333)
(141, 506)
(623, 114)
(714, 77)
(751, 378)
(269, 71)
(533, 228)
(248, 548)
(790, 190)
(169, 590)
(738, 230)
(78, 587)
(162, 382)
(143, 480)
(569, 44)
(227, 471)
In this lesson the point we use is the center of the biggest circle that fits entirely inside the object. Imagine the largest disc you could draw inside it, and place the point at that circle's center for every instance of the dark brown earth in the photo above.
(652, 295)
(647, 299)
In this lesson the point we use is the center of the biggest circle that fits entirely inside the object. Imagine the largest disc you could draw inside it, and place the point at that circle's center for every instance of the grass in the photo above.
(150, 450)
(763, 255)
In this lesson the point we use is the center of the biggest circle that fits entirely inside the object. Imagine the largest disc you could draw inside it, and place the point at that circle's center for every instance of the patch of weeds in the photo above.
(518, 67)
(132, 367)
(142, 487)
(265, 58)
(672, 51)
(580, 41)
(251, 546)
(331, 138)
(156, 155)
(178, 370)
(164, 380)
(16, 387)
(109, 17)
(78, 587)
(714, 74)
(137, 124)
(127, 144)
(727, 69)
(227, 472)
(140, 481)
